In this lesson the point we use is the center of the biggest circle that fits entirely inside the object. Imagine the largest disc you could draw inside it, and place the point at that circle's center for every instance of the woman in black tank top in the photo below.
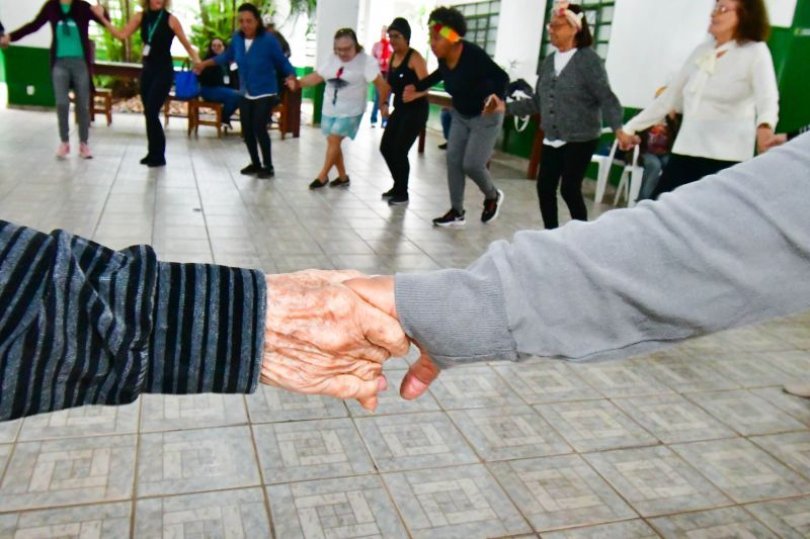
(408, 119)
(158, 28)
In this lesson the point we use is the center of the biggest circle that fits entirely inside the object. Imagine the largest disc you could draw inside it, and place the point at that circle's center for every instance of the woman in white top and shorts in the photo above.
(347, 74)
(727, 93)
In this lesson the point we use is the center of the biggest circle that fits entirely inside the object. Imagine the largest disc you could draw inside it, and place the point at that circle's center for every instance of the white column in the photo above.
(331, 16)
(15, 13)
(520, 31)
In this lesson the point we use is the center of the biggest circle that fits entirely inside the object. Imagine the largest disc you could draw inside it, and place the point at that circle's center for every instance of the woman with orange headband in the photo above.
(472, 79)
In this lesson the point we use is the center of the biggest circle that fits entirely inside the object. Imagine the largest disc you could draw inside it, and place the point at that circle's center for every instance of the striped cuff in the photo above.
(209, 330)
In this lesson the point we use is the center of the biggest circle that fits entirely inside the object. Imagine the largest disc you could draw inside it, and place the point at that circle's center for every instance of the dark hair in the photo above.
(210, 53)
(348, 32)
(451, 17)
(247, 6)
(754, 24)
(583, 37)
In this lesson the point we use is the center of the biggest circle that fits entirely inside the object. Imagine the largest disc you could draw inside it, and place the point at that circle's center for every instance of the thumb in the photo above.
(419, 377)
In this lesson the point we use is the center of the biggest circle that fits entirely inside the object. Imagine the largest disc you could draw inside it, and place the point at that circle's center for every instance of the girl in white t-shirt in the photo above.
(347, 74)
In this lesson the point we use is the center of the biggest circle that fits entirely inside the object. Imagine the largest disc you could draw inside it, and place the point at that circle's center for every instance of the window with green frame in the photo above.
(482, 23)
(599, 14)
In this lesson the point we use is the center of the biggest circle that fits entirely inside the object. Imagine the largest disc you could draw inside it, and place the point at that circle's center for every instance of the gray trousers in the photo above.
(468, 149)
(67, 73)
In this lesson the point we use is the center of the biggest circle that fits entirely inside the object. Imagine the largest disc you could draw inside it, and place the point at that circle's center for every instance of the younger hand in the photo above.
(292, 83)
(409, 93)
(494, 104)
(5, 41)
(627, 142)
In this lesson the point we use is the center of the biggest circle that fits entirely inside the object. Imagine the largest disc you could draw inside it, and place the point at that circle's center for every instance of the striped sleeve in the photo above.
(83, 324)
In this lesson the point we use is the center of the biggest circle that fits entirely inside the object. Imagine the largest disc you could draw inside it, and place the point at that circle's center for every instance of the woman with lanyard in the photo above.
(215, 83)
(406, 67)
(158, 28)
(472, 79)
(70, 64)
(258, 54)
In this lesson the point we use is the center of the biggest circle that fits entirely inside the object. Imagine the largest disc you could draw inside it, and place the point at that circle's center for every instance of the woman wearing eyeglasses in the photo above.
(71, 64)
(727, 93)
(347, 74)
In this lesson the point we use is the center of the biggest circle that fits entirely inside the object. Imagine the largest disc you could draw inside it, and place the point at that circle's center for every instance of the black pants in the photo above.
(400, 133)
(254, 114)
(567, 163)
(683, 169)
(156, 83)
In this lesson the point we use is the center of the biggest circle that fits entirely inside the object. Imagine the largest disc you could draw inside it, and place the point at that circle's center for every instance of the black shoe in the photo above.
(153, 163)
(389, 193)
(451, 218)
(398, 200)
(492, 208)
(340, 182)
(443, 146)
(317, 183)
(266, 173)
(145, 160)
(250, 170)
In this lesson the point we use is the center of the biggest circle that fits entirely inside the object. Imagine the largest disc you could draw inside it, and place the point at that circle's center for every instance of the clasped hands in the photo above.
(329, 333)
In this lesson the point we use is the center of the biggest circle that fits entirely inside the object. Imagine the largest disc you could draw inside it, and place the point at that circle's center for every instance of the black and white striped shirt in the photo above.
(84, 324)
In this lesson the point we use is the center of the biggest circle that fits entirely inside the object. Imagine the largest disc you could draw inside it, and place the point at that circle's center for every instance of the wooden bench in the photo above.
(167, 110)
(195, 120)
(101, 102)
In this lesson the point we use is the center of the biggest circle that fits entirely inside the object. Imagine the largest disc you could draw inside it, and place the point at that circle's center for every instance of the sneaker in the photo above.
(389, 193)
(451, 218)
(492, 208)
(398, 200)
(84, 151)
(266, 173)
(317, 183)
(63, 150)
(340, 182)
(250, 170)
(443, 146)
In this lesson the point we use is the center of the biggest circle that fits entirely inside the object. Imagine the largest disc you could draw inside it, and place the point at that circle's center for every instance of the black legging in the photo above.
(569, 162)
(400, 133)
(156, 83)
(683, 169)
(254, 115)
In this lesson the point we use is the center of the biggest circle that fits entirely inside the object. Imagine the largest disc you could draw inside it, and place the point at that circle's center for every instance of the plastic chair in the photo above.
(630, 182)
(603, 163)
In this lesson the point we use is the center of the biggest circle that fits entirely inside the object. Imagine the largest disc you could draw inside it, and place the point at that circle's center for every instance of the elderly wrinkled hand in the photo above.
(322, 338)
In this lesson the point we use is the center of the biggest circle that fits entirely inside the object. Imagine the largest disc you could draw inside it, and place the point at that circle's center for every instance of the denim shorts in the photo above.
(344, 126)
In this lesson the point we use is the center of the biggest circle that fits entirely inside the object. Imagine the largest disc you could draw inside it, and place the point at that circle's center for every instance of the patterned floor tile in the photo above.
(629, 529)
(560, 492)
(726, 522)
(616, 379)
(391, 403)
(228, 513)
(546, 381)
(797, 407)
(655, 481)
(796, 363)
(82, 421)
(458, 501)
(474, 387)
(510, 432)
(406, 442)
(5, 451)
(347, 507)
(790, 519)
(107, 520)
(745, 412)
(791, 448)
(685, 375)
(742, 470)
(270, 404)
(9, 430)
(748, 369)
(311, 450)
(594, 425)
(195, 460)
(754, 339)
(176, 412)
(672, 418)
(69, 471)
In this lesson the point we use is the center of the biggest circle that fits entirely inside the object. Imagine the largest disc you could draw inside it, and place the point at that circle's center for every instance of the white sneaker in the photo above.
(63, 150)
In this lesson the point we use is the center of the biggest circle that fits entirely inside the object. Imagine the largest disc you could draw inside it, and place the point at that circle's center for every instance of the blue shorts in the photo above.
(344, 126)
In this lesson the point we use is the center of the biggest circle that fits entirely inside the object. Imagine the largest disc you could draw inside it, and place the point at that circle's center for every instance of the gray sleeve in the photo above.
(730, 250)
(599, 85)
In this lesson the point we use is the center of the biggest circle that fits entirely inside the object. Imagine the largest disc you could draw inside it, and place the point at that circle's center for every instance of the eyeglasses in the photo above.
(722, 8)
(556, 25)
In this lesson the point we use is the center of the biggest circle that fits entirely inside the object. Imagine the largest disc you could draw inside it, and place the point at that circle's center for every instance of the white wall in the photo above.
(520, 32)
(781, 12)
(15, 13)
(333, 15)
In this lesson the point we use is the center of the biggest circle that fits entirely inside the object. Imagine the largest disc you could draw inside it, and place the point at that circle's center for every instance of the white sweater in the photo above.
(722, 102)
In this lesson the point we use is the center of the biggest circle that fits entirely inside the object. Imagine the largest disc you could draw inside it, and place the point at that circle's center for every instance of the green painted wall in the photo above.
(28, 67)
(2, 66)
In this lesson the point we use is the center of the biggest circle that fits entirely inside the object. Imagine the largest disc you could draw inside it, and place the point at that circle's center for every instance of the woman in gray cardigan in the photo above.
(572, 95)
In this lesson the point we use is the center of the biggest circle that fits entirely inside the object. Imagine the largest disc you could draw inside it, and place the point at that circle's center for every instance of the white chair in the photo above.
(603, 163)
(630, 182)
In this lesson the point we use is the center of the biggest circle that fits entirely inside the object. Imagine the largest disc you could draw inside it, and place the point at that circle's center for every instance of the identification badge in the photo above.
(226, 79)
(146, 49)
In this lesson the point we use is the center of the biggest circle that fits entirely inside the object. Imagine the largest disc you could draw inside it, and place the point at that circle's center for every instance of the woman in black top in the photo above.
(473, 80)
(406, 67)
(158, 28)
(215, 83)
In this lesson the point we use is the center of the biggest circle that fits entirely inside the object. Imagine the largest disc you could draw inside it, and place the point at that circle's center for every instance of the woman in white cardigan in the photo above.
(727, 93)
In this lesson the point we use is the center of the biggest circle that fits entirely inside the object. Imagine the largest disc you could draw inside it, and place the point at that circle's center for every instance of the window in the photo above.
(599, 14)
(482, 23)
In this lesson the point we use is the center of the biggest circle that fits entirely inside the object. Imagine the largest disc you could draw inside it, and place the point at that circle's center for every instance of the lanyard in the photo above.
(153, 28)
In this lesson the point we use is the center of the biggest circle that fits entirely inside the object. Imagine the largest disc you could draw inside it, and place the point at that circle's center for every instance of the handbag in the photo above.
(186, 85)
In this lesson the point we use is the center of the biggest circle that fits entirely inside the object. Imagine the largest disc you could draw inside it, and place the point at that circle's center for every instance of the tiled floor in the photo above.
(695, 441)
